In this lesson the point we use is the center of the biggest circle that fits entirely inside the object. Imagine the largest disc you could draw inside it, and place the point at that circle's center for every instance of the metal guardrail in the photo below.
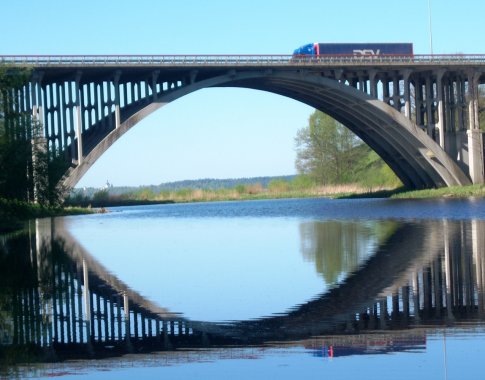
(237, 60)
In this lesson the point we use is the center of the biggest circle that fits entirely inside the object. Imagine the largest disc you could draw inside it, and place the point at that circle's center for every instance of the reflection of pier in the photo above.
(64, 299)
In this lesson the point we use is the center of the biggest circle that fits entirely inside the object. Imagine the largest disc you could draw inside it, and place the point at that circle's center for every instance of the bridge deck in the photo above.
(240, 60)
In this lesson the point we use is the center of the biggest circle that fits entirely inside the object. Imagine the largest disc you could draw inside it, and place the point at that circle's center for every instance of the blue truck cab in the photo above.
(308, 49)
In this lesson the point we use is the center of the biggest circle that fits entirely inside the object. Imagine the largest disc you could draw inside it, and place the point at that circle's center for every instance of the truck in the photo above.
(354, 49)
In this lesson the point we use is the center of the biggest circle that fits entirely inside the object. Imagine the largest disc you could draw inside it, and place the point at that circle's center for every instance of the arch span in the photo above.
(416, 159)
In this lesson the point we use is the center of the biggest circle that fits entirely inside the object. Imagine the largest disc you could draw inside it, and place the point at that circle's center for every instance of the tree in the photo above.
(326, 150)
(28, 172)
(329, 153)
(15, 135)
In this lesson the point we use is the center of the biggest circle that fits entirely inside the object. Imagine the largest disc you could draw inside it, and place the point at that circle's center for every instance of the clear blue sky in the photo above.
(222, 133)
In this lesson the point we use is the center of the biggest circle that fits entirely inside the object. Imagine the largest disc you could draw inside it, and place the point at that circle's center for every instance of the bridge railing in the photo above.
(236, 60)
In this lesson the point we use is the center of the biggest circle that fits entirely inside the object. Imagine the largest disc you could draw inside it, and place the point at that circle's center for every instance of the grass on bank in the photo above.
(444, 192)
(14, 213)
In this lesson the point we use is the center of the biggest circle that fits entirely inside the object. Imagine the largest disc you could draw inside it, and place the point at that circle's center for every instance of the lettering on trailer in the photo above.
(367, 52)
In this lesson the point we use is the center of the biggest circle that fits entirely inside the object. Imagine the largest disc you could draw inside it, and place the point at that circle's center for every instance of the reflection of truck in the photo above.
(355, 49)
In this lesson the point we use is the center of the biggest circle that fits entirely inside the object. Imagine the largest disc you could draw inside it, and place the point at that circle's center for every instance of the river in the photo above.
(309, 288)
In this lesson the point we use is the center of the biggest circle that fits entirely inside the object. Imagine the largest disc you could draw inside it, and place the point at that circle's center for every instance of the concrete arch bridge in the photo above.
(419, 113)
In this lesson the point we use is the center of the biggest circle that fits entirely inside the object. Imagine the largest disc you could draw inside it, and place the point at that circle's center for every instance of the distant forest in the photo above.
(197, 184)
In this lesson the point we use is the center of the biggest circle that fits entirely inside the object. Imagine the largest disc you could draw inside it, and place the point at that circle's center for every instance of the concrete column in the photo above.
(61, 128)
(475, 155)
(475, 139)
(126, 309)
(118, 318)
(138, 87)
(112, 318)
(436, 273)
(415, 285)
(125, 94)
(362, 83)
(407, 93)
(147, 91)
(79, 119)
(385, 90)
(132, 92)
(157, 329)
(448, 124)
(87, 302)
(70, 106)
(79, 299)
(429, 107)
(373, 83)
(461, 103)
(396, 93)
(478, 246)
(419, 102)
(440, 125)
(155, 75)
(89, 107)
(447, 274)
(405, 302)
(50, 132)
(116, 83)
(135, 325)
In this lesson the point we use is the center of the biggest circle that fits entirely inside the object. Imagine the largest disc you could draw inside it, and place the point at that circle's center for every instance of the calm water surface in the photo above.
(262, 289)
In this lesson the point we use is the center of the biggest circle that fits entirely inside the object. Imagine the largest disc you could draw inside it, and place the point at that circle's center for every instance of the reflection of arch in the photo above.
(101, 275)
(415, 157)
(399, 257)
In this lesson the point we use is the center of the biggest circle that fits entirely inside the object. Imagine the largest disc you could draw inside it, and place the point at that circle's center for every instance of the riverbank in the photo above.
(347, 191)
(477, 191)
(14, 213)
(444, 192)
(238, 193)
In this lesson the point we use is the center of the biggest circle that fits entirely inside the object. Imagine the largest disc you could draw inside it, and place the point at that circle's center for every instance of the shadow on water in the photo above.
(57, 302)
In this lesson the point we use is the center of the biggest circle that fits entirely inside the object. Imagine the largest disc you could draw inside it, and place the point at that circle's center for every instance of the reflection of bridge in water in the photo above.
(67, 302)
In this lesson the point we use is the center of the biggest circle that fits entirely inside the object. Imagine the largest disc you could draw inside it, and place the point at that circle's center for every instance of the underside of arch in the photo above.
(415, 158)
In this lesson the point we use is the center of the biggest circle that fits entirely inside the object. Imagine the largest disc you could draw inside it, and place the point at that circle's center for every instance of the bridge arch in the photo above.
(416, 159)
